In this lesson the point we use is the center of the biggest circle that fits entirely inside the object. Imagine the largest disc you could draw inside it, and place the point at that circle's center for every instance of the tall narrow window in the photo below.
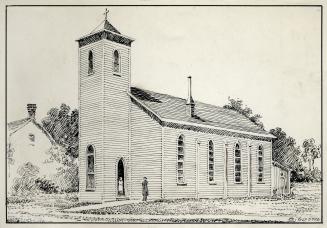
(90, 182)
(180, 159)
(211, 166)
(260, 164)
(90, 71)
(116, 62)
(237, 163)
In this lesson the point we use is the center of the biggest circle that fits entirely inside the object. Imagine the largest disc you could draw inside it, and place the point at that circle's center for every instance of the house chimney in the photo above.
(31, 109)
(190, 102)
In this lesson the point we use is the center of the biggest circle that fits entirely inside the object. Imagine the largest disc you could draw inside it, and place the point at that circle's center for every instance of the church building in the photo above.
(185, 148)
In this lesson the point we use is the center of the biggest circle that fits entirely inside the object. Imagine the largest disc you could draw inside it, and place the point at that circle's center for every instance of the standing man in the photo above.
(145, 191)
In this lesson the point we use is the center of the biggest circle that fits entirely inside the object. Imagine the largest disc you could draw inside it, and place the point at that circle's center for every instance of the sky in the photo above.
(267, 56)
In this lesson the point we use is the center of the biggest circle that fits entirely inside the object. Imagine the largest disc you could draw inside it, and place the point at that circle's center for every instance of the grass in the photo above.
(304, 206)
(59, 201)
(305, 203)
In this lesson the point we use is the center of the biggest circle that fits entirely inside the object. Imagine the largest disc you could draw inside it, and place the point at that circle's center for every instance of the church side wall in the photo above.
(145, 153)
(91, 119)
(188, 190)
(264, 188)
(215, 189)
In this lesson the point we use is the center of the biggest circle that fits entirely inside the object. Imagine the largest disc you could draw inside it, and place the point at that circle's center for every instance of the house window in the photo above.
(31, 137)
(260, 164)
(180, 159)
(237, 163)
(116, 62)
(91, 64)
(211, 166)
(90, 182)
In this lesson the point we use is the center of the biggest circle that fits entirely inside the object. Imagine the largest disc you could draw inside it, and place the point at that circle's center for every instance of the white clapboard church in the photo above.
(185, 148)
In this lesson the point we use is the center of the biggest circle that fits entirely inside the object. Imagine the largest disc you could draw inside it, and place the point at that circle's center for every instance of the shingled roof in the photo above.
(14, 126)
(173, 108)
(106, 25)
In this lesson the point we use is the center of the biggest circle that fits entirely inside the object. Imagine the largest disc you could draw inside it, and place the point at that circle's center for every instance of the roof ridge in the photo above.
(197, 101)
(210, 115)
(27, 120)
(200, 102)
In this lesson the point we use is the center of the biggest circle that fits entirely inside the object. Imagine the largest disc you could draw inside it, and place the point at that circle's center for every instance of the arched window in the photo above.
(90, 182)
(180, 159)
(211, 166)
(90, 71)
(260, 164)
(237, 163)
(116, 62)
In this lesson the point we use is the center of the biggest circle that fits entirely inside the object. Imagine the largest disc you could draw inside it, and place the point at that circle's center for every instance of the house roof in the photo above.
(280, 164)
(14, 126)
(173, 108)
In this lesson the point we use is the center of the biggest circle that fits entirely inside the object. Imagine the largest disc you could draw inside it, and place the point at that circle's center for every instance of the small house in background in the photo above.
(28, 148)
(281, 178)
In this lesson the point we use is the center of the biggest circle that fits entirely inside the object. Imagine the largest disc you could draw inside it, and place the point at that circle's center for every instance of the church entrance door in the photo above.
(120, 179)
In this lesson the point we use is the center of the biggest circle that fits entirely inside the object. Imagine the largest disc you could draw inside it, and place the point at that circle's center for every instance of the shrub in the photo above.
(19, 199)
(306, 175)
(67, 178)
(46, 186)
(24, 184)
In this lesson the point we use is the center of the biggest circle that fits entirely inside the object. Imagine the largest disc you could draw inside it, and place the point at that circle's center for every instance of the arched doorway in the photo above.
(120, 178)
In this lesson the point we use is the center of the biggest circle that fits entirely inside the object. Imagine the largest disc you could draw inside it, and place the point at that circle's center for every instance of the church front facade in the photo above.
(185, 148)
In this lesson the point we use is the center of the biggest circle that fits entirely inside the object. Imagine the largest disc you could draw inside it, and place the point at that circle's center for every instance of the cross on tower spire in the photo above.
(106, 13)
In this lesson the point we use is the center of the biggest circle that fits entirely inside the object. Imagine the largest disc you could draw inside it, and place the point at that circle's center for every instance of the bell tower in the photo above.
(104, 83)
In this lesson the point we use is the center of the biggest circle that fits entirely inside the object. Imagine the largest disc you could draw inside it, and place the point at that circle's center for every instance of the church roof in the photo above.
(105, 25)
(172, 108)
(104, 31)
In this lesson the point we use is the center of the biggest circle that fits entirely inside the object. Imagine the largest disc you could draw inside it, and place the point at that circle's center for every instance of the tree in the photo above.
(237, 105)
(62, 125)
(284, 149)
(310, 152)
(63, 128)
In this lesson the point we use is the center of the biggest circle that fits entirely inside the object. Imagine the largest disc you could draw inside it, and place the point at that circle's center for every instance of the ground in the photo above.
(304, 206)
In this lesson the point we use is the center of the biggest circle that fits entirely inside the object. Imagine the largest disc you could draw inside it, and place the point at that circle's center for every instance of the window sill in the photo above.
(212, 183)
(90, 190)
(238, 183)
(117, 74)
(261, 183)
(181, 184)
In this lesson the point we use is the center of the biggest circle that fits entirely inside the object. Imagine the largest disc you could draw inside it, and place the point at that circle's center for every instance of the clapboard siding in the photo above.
(264, 188)
(145, 153)
(237, 189)
(216, 188)
(116, 118)
(104, 119)
(280, 180)
(206, 190)
(91, 119)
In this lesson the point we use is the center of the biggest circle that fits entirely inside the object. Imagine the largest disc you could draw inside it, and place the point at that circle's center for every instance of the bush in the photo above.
(24, 184)
(46, 186)
(67, 178)
(304, 175)
(19, 199)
